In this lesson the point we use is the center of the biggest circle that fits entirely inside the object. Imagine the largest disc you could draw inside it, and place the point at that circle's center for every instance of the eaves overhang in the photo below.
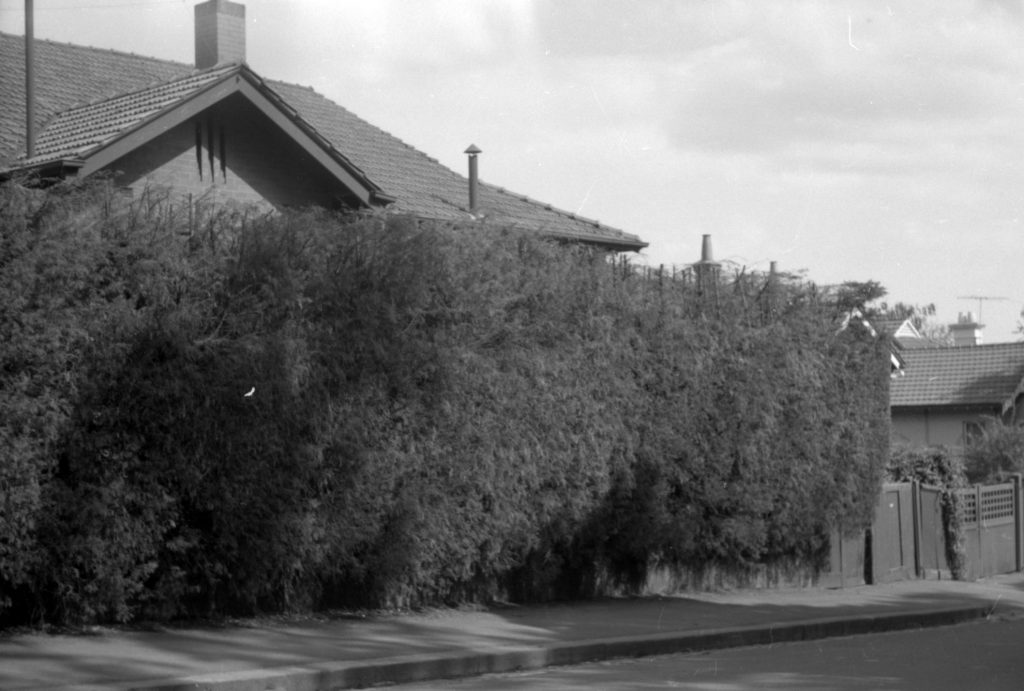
(44, 170)
(603, 241)
(989, 408)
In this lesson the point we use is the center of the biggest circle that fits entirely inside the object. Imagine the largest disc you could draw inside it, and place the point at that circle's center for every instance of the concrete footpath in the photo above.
(292, 655)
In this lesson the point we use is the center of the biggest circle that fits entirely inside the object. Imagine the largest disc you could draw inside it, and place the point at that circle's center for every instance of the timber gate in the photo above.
(907, 537)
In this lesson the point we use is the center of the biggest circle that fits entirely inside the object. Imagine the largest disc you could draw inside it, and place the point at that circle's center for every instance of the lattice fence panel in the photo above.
(997, 504)
(969, 500)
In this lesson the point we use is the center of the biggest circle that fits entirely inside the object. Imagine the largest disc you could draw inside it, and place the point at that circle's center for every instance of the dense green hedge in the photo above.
(440, 413)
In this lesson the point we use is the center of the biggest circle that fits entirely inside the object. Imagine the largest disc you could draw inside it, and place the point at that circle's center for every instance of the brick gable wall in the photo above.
(253, 162)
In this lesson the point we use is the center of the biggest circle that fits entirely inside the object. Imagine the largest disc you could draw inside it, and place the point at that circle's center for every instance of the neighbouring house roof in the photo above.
(904, 333)
(990, 375)
(89, 99)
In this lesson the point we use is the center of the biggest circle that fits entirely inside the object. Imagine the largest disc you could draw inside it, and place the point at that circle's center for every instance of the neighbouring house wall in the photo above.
(934, 427)
(253, 162)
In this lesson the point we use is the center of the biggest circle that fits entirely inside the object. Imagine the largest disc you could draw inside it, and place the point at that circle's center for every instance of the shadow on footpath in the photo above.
(114, 655)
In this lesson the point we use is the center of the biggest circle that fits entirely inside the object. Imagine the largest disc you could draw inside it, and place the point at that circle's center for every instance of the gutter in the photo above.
(54, 168)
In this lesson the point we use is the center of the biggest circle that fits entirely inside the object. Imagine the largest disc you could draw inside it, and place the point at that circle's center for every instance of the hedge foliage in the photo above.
(440, 413)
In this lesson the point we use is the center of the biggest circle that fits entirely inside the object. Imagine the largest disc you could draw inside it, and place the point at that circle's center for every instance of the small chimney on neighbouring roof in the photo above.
(705, 250)
(472, 152)
(220, 33)
(707, 269)
(966, 331)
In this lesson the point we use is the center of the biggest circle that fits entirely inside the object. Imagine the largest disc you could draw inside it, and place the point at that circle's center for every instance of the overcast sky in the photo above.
(852, 140)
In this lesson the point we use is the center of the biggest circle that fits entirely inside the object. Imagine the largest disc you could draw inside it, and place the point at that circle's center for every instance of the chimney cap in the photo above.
(966, 321)
(473, 150)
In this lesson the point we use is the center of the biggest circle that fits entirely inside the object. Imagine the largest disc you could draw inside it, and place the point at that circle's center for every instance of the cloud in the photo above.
(844, 92)
(431, 35)
(583, 28)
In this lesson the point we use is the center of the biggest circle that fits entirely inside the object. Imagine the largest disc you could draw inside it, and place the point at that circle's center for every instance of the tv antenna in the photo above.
(981, 300)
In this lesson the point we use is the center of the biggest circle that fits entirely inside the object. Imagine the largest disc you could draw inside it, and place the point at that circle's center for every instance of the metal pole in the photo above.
(30, 91)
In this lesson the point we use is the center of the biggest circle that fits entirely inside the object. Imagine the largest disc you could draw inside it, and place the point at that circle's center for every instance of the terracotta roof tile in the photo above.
(75, 131)
(68, 76)
(966, 375)
(125, 89)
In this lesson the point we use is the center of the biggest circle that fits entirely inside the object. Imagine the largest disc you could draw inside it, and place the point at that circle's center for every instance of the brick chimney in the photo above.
(966, 331)
(220, 33)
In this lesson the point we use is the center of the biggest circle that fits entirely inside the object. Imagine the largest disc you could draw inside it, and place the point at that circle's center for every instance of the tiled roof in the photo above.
(67, 76)
(73, 132)
(959, 376)
(123, 88)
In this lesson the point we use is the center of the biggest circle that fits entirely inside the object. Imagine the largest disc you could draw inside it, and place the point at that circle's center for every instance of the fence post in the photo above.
(915, 508)
(1018, 521)
(981, 534)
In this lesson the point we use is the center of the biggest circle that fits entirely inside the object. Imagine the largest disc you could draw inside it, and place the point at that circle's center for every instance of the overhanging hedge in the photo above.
(440, 413)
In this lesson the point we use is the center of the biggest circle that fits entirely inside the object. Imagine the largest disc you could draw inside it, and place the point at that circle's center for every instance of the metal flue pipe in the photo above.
(472, 152)
(705, 249)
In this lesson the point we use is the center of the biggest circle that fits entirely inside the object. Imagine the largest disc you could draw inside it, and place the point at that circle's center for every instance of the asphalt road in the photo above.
(983, 655)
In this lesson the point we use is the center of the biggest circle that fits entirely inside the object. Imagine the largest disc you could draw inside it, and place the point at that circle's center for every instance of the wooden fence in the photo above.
(907, 538)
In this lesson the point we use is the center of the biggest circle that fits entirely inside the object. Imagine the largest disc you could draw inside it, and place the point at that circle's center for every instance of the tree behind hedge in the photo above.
(996, 454)
(441, 412)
